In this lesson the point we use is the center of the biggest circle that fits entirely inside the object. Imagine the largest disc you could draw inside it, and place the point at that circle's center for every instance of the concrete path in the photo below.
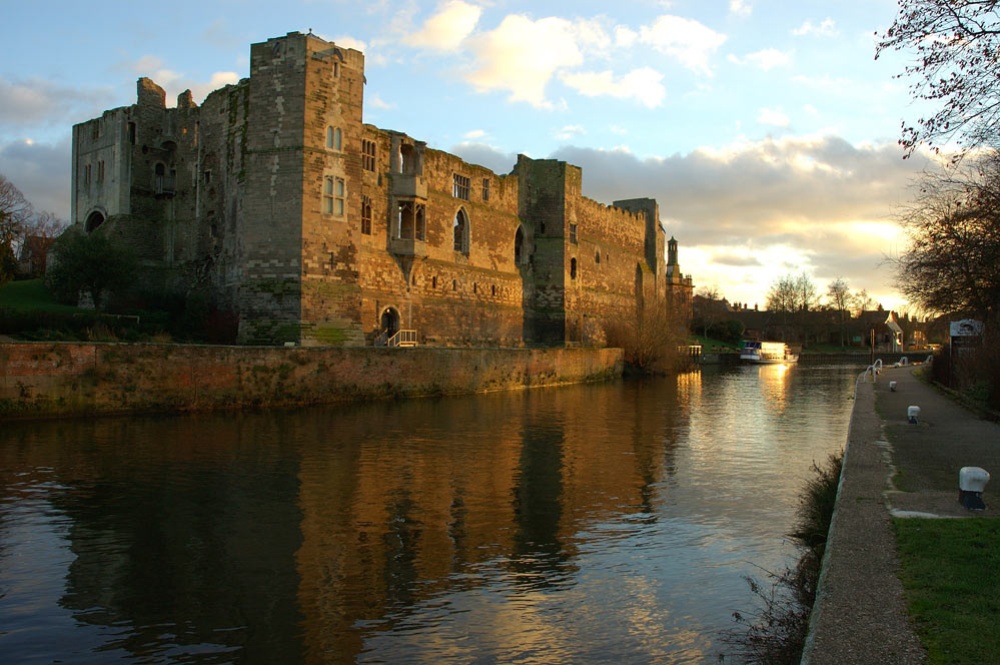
(860, 614)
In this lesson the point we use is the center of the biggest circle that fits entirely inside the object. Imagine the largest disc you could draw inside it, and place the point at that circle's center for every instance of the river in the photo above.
(586, 524)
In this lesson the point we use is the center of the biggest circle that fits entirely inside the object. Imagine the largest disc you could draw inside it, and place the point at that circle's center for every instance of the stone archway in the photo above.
(94, 220)
(389, 322)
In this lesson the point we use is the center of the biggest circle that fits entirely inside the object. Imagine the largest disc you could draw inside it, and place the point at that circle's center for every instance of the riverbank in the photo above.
(71, 379)
(860, 613)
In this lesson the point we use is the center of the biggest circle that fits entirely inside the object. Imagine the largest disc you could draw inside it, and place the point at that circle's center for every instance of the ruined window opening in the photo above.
(572, 268)
(460, 232)
(434, 282)
(420, 224)
(100, 171)
(572, 233)
(407, 160)
(460, 187)
(131, 133)
(336, 69)
(519, 246)
(475, 287)
(410, 220)
(486, 189)
(96, 130)
(493, 289)
(368, 155)
(405, 224)
(366, 216)
(208, 177)
(159, 177)
(86, 174)
(597, 257)
(454, 285)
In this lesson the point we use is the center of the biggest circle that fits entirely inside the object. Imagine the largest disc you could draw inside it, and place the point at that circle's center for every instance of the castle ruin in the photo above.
(314, 228)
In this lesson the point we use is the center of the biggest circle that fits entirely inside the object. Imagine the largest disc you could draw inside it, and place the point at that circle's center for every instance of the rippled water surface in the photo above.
(590, 524)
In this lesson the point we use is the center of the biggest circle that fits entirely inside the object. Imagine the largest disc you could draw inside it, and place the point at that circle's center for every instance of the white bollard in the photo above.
(912, 412)
(892, 386)
(971, 484)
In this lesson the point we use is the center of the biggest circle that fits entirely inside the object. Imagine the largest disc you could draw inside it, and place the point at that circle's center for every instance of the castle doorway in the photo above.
(389, 322)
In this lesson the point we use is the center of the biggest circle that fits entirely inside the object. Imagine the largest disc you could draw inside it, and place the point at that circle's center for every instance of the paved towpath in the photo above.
(860, 614)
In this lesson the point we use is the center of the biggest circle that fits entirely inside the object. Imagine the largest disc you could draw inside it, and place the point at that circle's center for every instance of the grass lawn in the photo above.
(710, 345)
(30, 295)
(951, 573)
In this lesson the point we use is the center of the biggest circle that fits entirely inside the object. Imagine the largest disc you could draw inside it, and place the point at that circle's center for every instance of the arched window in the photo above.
(334, 138)
(460, 231)
(519, 246)
(572, 268)
(597, 256)
(366, 216)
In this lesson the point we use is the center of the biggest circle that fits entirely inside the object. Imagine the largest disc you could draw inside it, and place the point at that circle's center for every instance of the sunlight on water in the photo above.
(591, 524)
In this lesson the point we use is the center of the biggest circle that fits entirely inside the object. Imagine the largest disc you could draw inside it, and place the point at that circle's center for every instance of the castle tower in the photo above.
(302, 191)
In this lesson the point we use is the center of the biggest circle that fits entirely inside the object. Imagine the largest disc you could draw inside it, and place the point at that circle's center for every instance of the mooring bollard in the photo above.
(892, 386)
(971, 484)
(911, 414)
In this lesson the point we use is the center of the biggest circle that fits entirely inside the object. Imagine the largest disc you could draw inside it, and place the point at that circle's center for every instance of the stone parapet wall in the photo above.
(68, 379)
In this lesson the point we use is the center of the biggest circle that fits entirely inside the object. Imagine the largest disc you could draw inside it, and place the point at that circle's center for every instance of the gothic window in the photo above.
(597, 256)
(460, 232)
(333, 196)
(460, 187)
(368, 155)
(366, 216)
(572, 268)
(334, 138)
(519, 246)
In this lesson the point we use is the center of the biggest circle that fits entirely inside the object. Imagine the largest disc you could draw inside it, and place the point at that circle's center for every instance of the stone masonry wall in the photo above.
(48, 379)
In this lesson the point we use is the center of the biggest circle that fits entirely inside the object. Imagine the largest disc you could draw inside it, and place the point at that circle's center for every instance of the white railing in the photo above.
(402, 338)
(875, 368)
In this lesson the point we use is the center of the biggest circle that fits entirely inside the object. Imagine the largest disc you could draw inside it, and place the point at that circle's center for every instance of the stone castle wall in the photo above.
(49, 379)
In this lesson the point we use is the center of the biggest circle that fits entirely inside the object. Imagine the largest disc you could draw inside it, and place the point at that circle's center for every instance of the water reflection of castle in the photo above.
(298, 536)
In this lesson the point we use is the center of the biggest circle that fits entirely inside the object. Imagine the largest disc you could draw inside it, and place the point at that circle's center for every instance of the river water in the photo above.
(587, 524)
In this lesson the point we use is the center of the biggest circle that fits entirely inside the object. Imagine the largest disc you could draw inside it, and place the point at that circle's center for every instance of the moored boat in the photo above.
(761, 353)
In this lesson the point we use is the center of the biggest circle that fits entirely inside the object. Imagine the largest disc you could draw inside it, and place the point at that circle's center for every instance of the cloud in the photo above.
(643, 85)
(690, 42)
(41, 171)
(522, 55)
(446, 30)
(826, 203)
(765, 60)
(474, 134)
(375, 101)
(773, 117)
(485, 155)
(569, 132)
(35, 103)
(826, 28)
(740, 8)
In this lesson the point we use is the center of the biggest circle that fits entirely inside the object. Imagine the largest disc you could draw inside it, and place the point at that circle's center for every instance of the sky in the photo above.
(765, 129)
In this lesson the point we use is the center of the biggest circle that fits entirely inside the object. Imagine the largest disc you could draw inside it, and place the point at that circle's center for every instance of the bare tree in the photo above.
(957, 44)
(862, 302)
(839, 294)
(783, 295)
(806, 292)
(953, 227)
(15, 211)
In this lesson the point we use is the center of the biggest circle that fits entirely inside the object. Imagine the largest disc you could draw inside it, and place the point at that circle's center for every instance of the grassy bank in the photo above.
(951, 573)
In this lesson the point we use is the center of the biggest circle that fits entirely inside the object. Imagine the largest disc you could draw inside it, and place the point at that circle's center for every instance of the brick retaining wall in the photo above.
(59, 379)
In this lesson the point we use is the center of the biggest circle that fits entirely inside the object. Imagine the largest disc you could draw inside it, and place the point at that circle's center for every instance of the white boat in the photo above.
(762, 353)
